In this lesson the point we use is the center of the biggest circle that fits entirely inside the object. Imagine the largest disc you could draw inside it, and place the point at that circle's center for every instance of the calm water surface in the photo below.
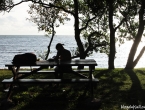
(11, 45)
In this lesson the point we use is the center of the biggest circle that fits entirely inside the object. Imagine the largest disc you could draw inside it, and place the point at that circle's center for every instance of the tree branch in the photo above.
(128, 27)
(9, 7)
(90, 44)
(86, 25)
(120, 23)
(62, 9)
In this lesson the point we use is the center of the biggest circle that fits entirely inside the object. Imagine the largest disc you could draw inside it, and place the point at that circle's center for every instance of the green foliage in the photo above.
(93, 17)
(124, 13)
(56, 13)
(47, 18)
(93, 20)
(130, 27)
(5, 5)
(95, 33)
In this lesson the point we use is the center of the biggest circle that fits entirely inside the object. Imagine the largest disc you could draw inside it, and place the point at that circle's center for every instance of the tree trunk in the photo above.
(77, 31)
(139, 56)
(48, 51)
(130, 62)
(112, 50)
(112, 37)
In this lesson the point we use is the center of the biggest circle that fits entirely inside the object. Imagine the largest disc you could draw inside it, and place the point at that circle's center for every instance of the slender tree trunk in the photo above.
(130, 62)
(77, 31)
(112, 50)
(139, 56)
(48, 51)
(112, 37)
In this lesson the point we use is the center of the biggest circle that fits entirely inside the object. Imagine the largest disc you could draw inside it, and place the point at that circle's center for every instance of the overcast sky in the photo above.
(15, 23)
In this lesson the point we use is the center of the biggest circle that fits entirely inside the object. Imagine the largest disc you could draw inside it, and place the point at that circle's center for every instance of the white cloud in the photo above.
(15, 23)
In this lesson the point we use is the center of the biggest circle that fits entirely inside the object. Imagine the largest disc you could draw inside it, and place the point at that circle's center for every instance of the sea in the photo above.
(11, 45)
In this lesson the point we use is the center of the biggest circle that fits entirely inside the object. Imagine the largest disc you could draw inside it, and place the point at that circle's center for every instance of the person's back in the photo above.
(62, 55)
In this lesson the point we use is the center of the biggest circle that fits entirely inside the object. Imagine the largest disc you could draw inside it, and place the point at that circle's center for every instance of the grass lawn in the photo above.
(117, 88)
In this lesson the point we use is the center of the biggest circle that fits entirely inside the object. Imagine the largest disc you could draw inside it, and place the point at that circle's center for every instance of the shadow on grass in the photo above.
(43, 97)
(116, 87)
(119, 87)
(136, 95)
(64, 97)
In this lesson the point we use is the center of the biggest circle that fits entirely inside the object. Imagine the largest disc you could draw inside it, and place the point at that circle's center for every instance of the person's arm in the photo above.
(57, 56)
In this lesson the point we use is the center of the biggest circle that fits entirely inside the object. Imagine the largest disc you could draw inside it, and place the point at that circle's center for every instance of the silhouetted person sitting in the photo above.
(62, 55)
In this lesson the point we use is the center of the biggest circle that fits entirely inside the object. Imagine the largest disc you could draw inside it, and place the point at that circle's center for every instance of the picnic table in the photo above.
(21, 76)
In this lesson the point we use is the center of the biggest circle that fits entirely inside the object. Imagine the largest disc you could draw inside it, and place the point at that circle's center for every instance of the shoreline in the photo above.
(72, 68)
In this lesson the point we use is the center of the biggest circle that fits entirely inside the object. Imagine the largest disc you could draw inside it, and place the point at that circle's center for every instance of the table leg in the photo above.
(10, 91)
(91, 76)
(7, 101)
(15, 77)
(15, 71)
(92, 102)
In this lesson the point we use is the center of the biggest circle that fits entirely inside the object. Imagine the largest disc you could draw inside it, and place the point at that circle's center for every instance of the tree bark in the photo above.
(77, 31)
(130, 62)
(48, 51)
(139, 56)
(112, 37)
(112, 50)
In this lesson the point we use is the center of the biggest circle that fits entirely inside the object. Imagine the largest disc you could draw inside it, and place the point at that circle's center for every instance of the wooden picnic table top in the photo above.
(74, 62)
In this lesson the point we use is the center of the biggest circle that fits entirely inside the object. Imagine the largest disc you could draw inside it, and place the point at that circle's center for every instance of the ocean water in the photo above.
(10, 45)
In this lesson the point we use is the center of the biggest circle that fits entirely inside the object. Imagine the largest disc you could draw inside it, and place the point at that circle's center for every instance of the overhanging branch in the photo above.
(90, 44)
(122, 21)
(86, 25)
(62, 9)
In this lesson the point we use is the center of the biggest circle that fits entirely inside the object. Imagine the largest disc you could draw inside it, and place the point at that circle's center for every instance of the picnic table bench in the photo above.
(20, 76)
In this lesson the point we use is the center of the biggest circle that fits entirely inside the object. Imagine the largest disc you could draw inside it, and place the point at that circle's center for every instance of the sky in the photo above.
(15, 23)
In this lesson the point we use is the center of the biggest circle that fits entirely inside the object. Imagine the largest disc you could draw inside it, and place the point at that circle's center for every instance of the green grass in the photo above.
(116, 87)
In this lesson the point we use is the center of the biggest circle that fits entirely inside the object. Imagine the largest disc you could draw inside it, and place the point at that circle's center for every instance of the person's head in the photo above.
(59, 46)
